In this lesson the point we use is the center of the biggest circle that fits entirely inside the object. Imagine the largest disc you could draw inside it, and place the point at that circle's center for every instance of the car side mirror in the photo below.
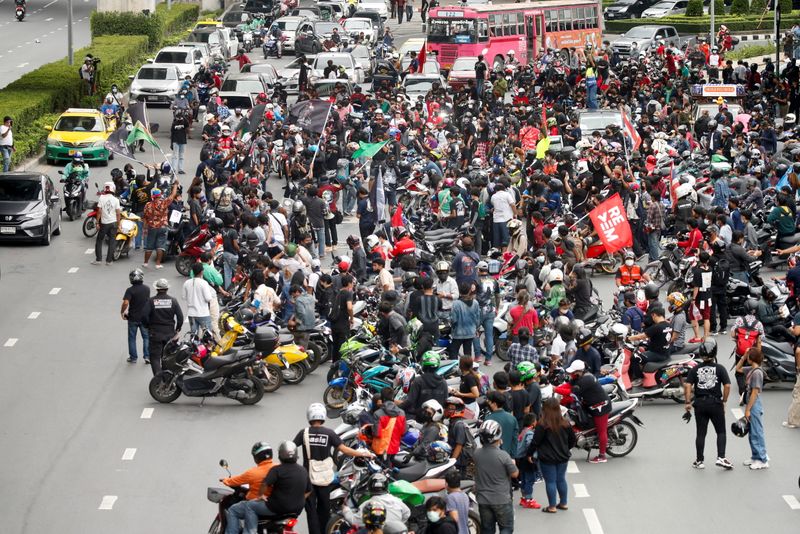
(48, 128)
(131, 77)
(151, 60)
(54, 198)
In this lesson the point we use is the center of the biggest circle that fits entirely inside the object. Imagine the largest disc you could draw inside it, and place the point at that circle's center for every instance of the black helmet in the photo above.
(244, 316)
(408, 279)
(261, 451)
(136, 276)
(215, 224)
(374, 515)
(651, 291)
(287, 452)
(751, 305)
(708, 350)
(116, 174)
(740, 427)
(585, 336)
(781, 169)
(378, 484)
(555, 184)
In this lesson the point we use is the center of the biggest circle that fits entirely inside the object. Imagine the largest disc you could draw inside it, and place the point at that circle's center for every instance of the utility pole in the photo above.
(70, 55)
(777, 36)
(711, 36)
(600, 21)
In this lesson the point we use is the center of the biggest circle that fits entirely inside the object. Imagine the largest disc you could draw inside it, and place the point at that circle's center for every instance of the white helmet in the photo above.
(372, 241)
(316, 412)
(683, 190)
(789, 119)
(556, 275)
(436, 408)
(511, 52)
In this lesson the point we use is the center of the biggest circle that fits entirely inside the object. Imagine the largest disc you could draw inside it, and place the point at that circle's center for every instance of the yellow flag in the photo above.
(541, 147)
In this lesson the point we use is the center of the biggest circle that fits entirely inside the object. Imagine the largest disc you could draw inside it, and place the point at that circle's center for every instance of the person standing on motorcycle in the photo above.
(108, 217)
(594, 400)
(707, 388)
(163, 318)
(134, 303)
(253, 477)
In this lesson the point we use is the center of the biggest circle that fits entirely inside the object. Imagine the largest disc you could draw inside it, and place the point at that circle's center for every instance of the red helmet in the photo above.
(344, 264)
(262, 97)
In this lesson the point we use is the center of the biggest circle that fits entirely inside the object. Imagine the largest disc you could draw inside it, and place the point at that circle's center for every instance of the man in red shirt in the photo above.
(156, 213)
(404, 244)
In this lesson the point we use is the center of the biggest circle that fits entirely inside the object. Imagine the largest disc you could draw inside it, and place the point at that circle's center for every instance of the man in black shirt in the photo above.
(392, 327)
(315, 211)
(134, 303)
(426, 310)
(367, 218)
(480, 75)
(710, 386)
(178, 135)
(341, 316)
(658, 335)
(163, 318)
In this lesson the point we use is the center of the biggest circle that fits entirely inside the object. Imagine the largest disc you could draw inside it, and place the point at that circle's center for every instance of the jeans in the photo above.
(455, 346)
(349, 199)
(654, 245)
(106, 233)
(758, 447)
(137, 241)
(229, 261)
(555, 480)
(319, 237)
(500, 514)
(479, 86)
(500, 235)
(527, 478)
(705, 411)
(5, 150)
(196, 323)
(331, 235)
(133, 326)
(487, 322)
(177, 156)
(247, 511)
(591, 93)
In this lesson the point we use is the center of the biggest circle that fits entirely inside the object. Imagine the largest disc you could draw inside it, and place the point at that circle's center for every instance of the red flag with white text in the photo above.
(612, 225)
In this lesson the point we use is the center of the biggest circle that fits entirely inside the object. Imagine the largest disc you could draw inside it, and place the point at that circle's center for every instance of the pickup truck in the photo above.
(646, 36)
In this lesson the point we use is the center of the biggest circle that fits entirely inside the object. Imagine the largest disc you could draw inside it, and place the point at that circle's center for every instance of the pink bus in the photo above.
(527, 28)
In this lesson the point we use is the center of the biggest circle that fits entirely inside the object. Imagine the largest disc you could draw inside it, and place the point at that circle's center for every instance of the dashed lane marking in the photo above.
(572, 467)
(11, 342)
(55, 291)
(147, 413)
(45, 7)
(34, 315)
(128, 454)
(738, 413)
(593, 521)
(48, 19)
(72, 270)
(792, 501)
(89, 251)
(580, 491)
(108, 502)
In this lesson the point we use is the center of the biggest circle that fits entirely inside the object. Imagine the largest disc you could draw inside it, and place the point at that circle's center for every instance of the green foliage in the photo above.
(741, 7)
(180, 17)
(695, 25)
(757, 7)
(155, 26)
(745, 52)
(786, 6)
(694, 8)
(719, 7)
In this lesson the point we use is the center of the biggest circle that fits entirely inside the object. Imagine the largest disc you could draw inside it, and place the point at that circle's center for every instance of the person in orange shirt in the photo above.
(253, 477)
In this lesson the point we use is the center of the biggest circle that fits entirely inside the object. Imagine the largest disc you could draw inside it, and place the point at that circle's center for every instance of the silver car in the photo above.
(155, 84)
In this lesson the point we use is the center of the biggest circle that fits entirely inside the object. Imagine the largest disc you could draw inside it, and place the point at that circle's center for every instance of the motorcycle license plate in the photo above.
(8, 230)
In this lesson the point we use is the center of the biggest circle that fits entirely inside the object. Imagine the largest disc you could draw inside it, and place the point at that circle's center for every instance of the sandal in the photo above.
(549, 510)
(562, 507)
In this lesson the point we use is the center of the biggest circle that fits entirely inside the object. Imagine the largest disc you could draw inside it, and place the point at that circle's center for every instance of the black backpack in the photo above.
(721, 272)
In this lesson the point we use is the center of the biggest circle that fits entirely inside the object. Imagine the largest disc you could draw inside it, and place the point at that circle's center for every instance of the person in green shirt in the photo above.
(781, 218)
(506, 420)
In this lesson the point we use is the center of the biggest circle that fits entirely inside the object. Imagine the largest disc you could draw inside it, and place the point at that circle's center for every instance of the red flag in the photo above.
(673, 186)
(397, 218)
(634, 135)
(544, 120)
(421, 56)
(612, 225)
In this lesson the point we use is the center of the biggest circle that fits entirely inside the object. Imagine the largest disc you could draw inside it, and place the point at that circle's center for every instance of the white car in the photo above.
(354, 71)
(416, 85)
(288, 27)
(356, 25)
(664, 8)
(180, 57)
(202, 50)
(378, 6)
(231, 41)
(155, 84)
(289, 77)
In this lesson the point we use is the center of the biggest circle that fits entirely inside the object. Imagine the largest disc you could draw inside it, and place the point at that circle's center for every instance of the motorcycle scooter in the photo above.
(19, 11)
(622, 435)
(126, 233)
(74, 193)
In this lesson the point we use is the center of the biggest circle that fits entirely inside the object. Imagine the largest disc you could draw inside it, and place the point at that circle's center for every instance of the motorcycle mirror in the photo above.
(223, 463)
(61, 172)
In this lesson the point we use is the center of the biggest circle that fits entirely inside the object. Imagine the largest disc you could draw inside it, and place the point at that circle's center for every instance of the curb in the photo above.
(755, 37)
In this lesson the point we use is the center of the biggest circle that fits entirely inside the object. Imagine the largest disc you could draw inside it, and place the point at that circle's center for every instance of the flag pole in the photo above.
(319, 143)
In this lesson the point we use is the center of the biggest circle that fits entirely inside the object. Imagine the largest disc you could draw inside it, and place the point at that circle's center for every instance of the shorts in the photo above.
(701, 313)
(156, 239)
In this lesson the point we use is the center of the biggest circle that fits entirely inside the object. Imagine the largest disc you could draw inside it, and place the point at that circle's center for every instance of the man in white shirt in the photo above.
(108, 215)
(277, 224)
(503, 210)
(445, 286)
(6, 142)
(198, 295)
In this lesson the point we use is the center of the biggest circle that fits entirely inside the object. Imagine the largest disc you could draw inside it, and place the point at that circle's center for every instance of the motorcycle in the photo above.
(272, 46)
(193, 247)
(90, 227)
(74, 193)
(622, 435)
(247, 41)
(231, 376)
(127, 231)
(20, 12)
(779, 363)
(227, 497)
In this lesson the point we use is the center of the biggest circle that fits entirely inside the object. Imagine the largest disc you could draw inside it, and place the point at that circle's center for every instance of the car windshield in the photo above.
(232, 16)
(242, 86)
(286, 25)
(243, 102)
(77, 123)
(640, 33)
(360, 52)
(325, 88)
(465, 63)
(20, 190)
(664, 5)
(598, 121)
(156, 74)
(357, 25)
(342, 60)
(418, 86)
(172, 57)
(461, 31)
(626, 2)
(325, 27)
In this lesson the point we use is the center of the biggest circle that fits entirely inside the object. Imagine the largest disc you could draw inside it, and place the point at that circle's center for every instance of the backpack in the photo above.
(720, 273)
(209, 176)
(336, 308)
(746, 337)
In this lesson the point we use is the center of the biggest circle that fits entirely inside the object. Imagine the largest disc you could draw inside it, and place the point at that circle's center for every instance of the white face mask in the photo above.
(433, 516)
(629, 263)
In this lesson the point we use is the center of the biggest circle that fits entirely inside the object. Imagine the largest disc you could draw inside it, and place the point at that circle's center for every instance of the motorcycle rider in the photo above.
(431, 416)
(426, 386)
(395, 510)
(771, 318)
(657, 335)
(679, 323)
(81, 171)
(253, 477)
(392, 327)
(629, 274)
(595, 401)
(163, 319)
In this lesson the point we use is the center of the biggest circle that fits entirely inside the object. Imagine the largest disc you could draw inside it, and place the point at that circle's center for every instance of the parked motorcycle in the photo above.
(90, 226)
(779, 363)
(127, 231)
(622, 434)
(193, 247)
(74, 195)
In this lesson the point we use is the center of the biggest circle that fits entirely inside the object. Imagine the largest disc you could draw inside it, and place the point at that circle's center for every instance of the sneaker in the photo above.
(724, 463)
(147, 361)
(714, 332)
(786, 424)
(722, 331)
(697, 464)
(488, 363)
(131, 360)
(696, 340)
(758, 464)
(599, 459)
(145, 266)
(159, 266)
(95, 262)
(747, 463)
(109, 263)
(181, 171)
(530, 503)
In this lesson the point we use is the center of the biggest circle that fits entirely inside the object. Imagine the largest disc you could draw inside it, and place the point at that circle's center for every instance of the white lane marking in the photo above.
(186, 320)
(72, 270)
(55, 291)
(147, 413)
(34, 315)
(108, 502)
(572, 467)
(89, 251)
(48, 19)
(128, 454)
(738, 413)
(50, 4)
(580, 490)
(22, 65)
(11, 342)
(792, 501)
(593, 521)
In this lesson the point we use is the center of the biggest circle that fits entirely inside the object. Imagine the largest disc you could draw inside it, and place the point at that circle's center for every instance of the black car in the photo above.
(259, 6)
(311, 35)
(627, 9)
(30, 208)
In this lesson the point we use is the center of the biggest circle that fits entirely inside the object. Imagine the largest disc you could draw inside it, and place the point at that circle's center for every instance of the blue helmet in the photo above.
(410, 438)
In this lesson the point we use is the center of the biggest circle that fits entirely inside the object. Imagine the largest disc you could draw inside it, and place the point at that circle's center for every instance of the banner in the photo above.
(611, 224)
(310, 115)
(397, 218)
(140, 133)
(138, 113)
(377, 197)
(117, 142)
(368, 150)
(636, 139)
(423, 54)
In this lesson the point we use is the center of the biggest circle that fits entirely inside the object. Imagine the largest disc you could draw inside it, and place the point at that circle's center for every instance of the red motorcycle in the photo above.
(598, 258)
(194, 246)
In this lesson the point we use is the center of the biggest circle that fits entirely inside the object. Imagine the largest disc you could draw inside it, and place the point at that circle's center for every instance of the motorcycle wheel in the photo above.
(118, 248)
(183, 264)
(90, 227)
(609, 264)
(501, 346)
(71, 209)
(321, 352)
(337, 524)
(216, 527)
(622, 439)
(474, 522)
(656, 274)
(337, 397)
(315, 349)
(160, 389)
(256, 393)
(271, 378)
(295, 374)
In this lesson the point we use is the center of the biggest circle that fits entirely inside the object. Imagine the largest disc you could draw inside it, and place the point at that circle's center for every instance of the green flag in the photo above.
(140, 133)
(367, 150)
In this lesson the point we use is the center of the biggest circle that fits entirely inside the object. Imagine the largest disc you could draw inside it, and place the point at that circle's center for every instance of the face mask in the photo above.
(424, 417)
(540, 259)
(629, 263)
(433, 516)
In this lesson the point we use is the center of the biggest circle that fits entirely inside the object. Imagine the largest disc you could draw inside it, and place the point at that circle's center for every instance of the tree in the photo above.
(741, 7)
(757, 7)
(694, 8)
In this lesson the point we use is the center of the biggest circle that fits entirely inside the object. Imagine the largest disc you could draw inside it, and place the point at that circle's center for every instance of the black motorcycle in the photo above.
(74, 195)
(229, 376)
(738, 292)
(779, 364)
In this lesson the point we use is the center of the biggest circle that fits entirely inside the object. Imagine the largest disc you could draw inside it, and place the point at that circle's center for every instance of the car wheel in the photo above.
(104, 163)
(46, 237)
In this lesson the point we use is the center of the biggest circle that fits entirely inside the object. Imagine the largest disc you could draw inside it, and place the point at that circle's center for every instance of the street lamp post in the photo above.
(711, 12)
(70, 57)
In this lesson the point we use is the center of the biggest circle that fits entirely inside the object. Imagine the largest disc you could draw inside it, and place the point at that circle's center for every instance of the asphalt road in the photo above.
(88, 450)
(42, 36)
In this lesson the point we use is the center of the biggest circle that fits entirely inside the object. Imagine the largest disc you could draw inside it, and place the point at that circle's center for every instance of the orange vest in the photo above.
(629, 275)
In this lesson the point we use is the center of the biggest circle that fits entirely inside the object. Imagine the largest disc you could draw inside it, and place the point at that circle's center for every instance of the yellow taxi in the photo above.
(208, 23)
(79, 130)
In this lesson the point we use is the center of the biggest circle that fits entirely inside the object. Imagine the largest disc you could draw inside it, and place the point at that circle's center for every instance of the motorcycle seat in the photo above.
(412, 471)
(218, 361)
(689, 348)
(439, 234)
(790, 239)
(782, 346)
(620, 406)
(652, 367)
(266, 519)
(609, 388)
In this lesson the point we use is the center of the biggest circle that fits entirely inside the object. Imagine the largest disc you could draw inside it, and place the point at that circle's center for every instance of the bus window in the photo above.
(507, 29)
(494, 25)
(483, 30)
(591, 17)
(578, 18)
(538, 20)
(520, 24)
(564, 19)
(452, 31)
(551, 20)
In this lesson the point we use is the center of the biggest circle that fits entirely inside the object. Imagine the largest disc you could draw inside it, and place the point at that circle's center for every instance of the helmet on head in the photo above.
(442, 266)
(676, 299)
(556, 275)
(291, 250)
(372, 241)
(449, 182)
(490, 432)
(455, 407)
(287, 452)
(136, 276)
(353, 240)
(297, 207)
(400, 232)
(161, 284)
(316, 412)
(166, 168)
(438, 452)
(585, 337)
(560, 322)
(378, 484)
(435, 407)
(527, 371)
(740, 427)
(651, 291)
(215, 224)
(344, 264)
(261, 451)
(431, 359)
(521, 266)
(78, 157)
(751, 305)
